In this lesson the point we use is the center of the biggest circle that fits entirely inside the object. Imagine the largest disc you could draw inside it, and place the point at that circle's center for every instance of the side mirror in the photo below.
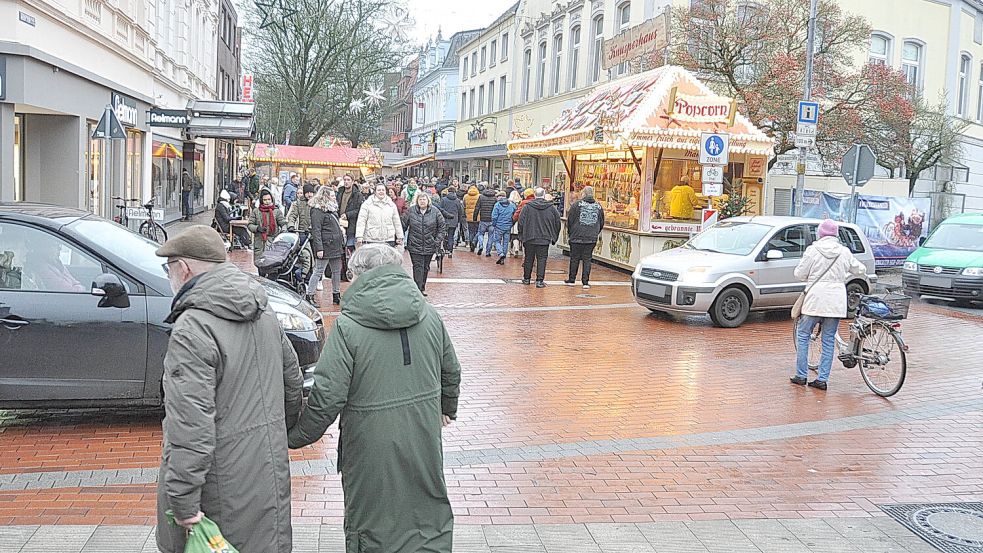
(111, 290)
(922, 240)
(774, 255)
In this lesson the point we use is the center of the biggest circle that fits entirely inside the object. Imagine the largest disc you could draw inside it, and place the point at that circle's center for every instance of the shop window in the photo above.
(166, 174)
(617, 187)
(19, 192)
(791, 241)
(134, 165)
(95, 155)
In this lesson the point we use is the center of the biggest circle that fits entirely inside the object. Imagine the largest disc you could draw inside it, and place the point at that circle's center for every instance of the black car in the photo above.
(82, 305)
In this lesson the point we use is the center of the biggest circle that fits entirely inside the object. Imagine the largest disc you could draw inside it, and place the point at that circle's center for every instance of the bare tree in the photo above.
(311, 66)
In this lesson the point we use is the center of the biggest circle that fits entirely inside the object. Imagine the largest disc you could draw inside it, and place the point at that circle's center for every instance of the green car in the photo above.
(949, 264)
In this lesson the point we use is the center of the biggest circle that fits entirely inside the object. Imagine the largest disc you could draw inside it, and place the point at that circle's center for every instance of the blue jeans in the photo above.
(828, 334)
(501, 240)
(483, 230)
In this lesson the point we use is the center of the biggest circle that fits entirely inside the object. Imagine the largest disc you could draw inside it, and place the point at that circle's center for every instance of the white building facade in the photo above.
(62, 63)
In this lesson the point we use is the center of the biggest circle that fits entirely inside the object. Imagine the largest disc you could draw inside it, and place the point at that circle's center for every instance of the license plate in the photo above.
(655, 290)
(936, 282)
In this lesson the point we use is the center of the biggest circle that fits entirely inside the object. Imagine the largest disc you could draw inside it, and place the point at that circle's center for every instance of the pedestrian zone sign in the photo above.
(714, 148)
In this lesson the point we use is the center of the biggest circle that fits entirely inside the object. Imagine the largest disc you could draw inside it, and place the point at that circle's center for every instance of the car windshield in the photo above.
(955, 236)
(730, 237)
(123, 243)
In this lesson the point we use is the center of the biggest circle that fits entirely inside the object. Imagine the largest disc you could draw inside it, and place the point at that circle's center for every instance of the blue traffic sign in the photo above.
(714, 145)
(809, 112)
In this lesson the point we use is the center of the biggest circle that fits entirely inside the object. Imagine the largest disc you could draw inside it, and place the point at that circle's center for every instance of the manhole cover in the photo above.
(949, 527)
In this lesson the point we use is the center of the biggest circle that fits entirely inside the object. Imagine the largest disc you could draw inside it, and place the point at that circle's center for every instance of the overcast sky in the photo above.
(453, 16)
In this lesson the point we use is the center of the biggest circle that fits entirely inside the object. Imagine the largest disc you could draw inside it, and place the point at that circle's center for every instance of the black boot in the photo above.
(336, 298)
(312, 299)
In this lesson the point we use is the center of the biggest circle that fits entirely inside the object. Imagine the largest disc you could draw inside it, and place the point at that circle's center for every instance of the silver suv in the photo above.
(739, 265)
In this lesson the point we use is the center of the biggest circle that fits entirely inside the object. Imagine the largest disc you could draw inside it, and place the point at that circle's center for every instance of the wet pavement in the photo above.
(579, 408)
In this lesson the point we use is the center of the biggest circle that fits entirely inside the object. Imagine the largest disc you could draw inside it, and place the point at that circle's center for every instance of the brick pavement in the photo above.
(580, 408)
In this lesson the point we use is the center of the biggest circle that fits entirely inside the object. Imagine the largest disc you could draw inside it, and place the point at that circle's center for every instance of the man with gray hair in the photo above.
(584, 224)
(390, 370)
(539, 226)
(232, 384)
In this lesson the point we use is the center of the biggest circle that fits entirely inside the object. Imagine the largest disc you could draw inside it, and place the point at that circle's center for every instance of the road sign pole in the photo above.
(800, 179)
(853, 188)
(106, 147)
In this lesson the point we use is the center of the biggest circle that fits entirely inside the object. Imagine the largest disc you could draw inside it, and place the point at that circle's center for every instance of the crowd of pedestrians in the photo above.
(429, 217)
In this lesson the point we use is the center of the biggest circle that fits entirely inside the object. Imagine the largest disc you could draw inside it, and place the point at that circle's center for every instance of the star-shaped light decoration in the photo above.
(396, 22)
(274, 12)
(374, 96)
(356, 106)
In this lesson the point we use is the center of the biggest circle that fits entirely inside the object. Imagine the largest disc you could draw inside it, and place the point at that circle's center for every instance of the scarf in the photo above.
(268, 220)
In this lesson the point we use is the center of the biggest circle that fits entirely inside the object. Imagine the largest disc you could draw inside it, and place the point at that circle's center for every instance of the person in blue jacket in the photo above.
(502, 225)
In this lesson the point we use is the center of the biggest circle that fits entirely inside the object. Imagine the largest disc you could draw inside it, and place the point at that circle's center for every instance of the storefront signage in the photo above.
(3, 77)
(247, 88)
(176, 118)
(639, 41)
(125, 108)
(27, 18)
(478, 133)
(755, 167)
(681, 228)
(702, 109)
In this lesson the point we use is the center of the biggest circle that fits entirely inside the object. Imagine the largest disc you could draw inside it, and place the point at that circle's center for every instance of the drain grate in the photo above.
(949, 527)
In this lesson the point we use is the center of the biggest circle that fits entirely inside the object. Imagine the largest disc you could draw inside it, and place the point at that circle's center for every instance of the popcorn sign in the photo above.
(702, 109)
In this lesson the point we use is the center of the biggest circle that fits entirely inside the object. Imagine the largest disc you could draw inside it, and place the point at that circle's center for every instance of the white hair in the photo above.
(540, 192)
(370, 256)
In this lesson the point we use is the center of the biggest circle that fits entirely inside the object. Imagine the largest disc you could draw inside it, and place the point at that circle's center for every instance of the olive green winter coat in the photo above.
(232, 388)
(389, 369)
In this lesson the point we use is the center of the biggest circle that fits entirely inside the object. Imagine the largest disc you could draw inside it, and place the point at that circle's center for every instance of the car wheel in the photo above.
(852, 303)
(730, 309)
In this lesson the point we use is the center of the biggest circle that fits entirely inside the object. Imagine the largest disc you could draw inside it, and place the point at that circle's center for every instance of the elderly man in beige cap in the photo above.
(232, 389)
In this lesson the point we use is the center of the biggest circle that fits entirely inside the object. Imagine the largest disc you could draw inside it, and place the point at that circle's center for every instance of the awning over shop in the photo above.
(224, 120)
(667, 107)
(338, 156)
(413, 161)
(481, 152)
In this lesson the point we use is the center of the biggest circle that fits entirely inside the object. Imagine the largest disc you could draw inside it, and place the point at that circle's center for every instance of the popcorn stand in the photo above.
(636, 141)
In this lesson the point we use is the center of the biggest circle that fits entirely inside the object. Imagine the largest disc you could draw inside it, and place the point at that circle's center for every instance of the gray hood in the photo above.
(225, 292)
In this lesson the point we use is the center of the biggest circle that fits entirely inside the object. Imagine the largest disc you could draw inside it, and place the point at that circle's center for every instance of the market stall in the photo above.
(312, 162)
(636, 141)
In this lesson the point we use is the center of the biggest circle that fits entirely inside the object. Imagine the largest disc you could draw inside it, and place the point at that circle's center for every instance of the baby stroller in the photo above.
(281, 262)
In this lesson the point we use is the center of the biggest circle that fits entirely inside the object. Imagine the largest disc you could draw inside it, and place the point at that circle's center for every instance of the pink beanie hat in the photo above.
(828, 228)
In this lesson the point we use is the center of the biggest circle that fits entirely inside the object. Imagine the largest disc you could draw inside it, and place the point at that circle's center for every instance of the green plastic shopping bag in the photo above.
(205, 537)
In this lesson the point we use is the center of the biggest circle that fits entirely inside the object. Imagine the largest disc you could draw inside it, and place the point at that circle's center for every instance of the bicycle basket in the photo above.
(891, 307)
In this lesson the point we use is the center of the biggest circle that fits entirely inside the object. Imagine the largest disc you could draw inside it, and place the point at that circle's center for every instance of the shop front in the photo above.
(636, 142)
(325, 164)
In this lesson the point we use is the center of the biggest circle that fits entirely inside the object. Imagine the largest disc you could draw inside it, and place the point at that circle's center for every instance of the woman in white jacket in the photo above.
(378, 220)
(825, 265)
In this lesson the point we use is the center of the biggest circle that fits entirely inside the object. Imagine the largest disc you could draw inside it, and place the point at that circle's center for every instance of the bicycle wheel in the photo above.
(153, 231)
(883, 363)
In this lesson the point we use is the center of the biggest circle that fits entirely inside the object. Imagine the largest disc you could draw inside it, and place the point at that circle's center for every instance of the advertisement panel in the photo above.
(892, 225)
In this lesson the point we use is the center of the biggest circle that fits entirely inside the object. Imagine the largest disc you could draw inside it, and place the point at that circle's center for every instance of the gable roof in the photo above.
(640, 105)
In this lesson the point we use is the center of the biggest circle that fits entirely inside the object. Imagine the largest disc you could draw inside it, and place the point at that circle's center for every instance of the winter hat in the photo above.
(225, 195)
(195, 242)
(310, 188)
(528, 193)
(828, 228)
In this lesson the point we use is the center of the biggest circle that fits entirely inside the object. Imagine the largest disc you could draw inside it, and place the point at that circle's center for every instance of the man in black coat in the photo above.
(452, 208)
(483, 214)
(584, 224)
(350, 200)
(539, 226)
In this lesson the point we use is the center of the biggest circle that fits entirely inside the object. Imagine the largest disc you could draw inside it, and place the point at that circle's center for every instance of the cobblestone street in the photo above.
(586, 423)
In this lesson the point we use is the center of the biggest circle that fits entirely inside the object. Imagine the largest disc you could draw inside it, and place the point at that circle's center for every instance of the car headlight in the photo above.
(291, 319)
(973, 271)
(910, 266)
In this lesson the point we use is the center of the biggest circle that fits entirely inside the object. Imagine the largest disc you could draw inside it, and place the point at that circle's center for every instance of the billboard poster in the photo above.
(892, 225)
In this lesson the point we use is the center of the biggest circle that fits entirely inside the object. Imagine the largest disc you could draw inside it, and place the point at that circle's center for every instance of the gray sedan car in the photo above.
(739, 265)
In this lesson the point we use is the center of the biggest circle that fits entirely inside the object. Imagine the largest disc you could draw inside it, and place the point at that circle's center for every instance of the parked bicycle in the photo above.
(150, 228)
(875, 342)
